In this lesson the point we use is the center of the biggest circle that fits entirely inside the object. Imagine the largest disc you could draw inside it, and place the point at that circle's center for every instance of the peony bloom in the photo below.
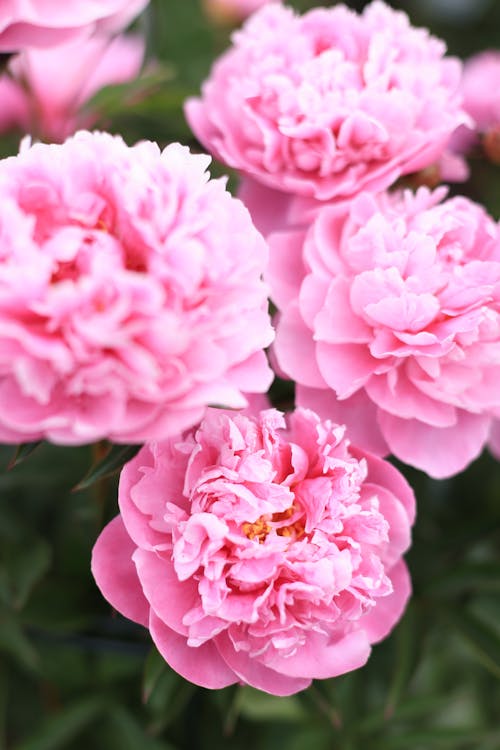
(232, 11)
(494, 443)
(258, 551)
(130, 292)
(47, 88)
(12, 105)
(482, 102)
(480, 89)
(395, 308)
(44, 23)
(330, 103)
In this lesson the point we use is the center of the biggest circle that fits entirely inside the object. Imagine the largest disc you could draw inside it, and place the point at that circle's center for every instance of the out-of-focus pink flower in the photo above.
(232, 11)
(130, 292)
(12, 105)
(494, 442)
(482, 102)
(44, 23)
(259, 552)
(330, 103)
(480, 87)
(452, 166)
(395, 307)
(46, 88)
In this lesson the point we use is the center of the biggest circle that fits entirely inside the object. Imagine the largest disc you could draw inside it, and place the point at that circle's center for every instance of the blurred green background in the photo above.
(75, 675)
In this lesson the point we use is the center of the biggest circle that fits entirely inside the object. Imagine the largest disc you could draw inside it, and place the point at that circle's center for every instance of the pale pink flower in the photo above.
(232, 11)
(494, 442)
(44, 23)
(481, 91)
(481, 100)
(45, 90)
(452, 165)
(130, 292)
(12, 105)
(329, 103)
(258, 551)
(395, 308)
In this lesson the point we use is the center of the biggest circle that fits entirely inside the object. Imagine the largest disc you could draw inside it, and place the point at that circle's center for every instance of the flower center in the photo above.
(278, 521)
(258, 530)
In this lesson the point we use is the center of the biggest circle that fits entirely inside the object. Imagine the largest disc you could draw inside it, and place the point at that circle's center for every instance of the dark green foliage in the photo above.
(74, 675)
(114, 458)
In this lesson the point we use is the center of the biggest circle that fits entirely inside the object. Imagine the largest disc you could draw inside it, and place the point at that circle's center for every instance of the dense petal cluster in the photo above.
(259, 551)
(44, 91)
(396, 307)
(44, 23)
(130, 292)
(331, 102)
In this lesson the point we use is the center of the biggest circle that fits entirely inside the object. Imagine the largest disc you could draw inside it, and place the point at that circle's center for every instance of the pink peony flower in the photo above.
(330, 103)
(12, 105)
(130, 292)
(494, 443)
(232, 11)
(480, 89)
(395, 307)
(259, 552)
(44, 23)
(481, 100)
(48, 88)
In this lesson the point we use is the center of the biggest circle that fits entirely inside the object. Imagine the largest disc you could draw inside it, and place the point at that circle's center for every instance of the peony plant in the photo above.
(261, 530)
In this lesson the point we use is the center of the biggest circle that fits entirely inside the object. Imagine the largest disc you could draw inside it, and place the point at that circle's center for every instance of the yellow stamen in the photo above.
(258, 530)
(263, 525)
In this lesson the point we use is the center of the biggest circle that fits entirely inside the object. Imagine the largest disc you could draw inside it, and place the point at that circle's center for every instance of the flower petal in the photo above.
(115, 573)
(201, 665)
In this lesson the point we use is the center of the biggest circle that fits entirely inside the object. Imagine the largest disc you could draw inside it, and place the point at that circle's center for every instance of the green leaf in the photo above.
(4, 696)
(25, 564)
(14, 642)
(154, 668)
(412, 708)
(58, 606)
(314, 737)
(482, 640)
(59, 731)
(128, 734)
(23, 451)
(438, 737)
(259, 706)
(114, 99)
(168, 700)
(405, 661)
(482, 575)
(113, 461)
